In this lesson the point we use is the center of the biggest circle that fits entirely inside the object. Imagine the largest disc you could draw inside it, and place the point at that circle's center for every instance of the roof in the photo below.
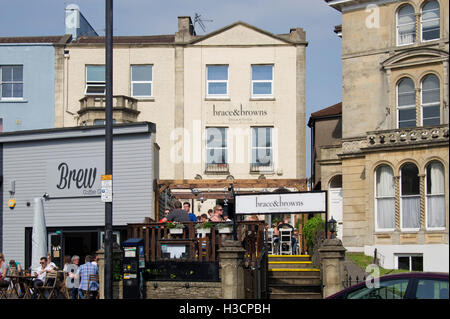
(331, 111)
(129, 39)
(37, 39)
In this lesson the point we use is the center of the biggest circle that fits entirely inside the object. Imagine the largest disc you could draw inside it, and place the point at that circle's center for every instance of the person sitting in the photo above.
(217, 214)
(4, 271)
(41, 273)
(203, 218)
(187, 208)
(17, 268)
(166, 212)
(177, 215)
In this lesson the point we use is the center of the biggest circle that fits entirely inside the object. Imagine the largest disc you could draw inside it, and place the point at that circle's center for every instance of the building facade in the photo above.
(395, 131)
(27, 81)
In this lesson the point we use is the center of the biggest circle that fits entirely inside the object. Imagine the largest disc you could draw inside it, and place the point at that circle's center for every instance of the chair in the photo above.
(4, 290)
(62, 288)
(89, 292)
(285, 241)
(49, 286)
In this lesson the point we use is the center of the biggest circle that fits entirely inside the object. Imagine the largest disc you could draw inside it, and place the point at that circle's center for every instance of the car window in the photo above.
(391, 289)
(432, 289)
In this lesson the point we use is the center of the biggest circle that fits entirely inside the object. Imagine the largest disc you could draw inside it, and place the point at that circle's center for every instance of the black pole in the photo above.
(108, 147)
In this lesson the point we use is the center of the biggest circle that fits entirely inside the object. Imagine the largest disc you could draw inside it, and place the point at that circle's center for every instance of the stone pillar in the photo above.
(332, 256)
(117, 257)
(231, 257)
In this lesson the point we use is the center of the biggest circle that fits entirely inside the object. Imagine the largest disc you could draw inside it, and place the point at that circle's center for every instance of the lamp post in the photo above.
(332, 225)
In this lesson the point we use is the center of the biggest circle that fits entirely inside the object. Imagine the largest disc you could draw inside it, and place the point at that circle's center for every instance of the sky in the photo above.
(152, 17)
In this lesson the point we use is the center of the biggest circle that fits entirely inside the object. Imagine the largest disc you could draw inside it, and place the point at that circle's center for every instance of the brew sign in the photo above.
(74, 177)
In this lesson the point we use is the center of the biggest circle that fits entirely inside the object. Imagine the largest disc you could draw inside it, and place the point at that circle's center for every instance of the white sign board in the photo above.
(107, 192)
(311, 202)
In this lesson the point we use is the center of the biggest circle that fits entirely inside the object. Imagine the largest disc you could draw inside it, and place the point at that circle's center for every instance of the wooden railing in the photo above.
(200, 249)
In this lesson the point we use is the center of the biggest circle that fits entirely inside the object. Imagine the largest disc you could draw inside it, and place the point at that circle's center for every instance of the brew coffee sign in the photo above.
(308, 202)
(74, 177)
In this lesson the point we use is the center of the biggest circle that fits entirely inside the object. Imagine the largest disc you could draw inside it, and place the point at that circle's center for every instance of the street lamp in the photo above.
(332, 226)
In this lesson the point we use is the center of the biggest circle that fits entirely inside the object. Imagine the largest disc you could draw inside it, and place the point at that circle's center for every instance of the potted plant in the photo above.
(203, 228)
(175, 228)
(224, 228)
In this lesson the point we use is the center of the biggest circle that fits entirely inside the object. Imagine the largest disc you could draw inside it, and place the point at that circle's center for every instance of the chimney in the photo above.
(185, 29)
(297, 35)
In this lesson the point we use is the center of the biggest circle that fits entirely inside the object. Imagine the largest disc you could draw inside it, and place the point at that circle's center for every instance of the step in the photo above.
(305, 295)
(291, 264)
(289, 258)
(290, 288)
(309, 281)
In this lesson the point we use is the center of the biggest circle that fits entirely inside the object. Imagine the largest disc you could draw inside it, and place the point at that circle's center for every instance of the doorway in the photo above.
(335, 203)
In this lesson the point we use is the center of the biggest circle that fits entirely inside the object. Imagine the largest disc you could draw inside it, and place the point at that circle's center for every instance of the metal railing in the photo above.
(220, 168)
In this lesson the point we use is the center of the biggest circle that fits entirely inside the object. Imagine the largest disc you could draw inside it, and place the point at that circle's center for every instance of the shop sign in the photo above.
(74, 177)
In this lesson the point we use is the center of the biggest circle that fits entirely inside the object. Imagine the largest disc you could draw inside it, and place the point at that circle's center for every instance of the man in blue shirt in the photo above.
(83, 273)
(187, 207)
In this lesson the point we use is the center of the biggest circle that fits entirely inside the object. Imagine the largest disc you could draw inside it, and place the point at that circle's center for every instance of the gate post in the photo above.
(231, 257)
(117, 257)
(332, 256)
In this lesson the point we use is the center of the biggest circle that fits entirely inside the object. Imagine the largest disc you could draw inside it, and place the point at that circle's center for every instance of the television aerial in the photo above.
(199, 21)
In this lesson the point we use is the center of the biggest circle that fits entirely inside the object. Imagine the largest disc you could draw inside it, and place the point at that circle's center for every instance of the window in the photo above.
(262, 149)
(432, 289)
(217, 80)
(435, 195)
(406, 103)
(406, 25)
(430, 21)
(95, 80)
(431, 107)
(262, 80)
(11, 81)
(392, 289)
(410, 197)
(385, 197)
(142, 80)
(216, 145)
(410, 262)
(102, 122)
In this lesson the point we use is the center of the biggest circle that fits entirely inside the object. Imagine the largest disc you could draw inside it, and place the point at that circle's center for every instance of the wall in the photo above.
(178, 290)
(36, 110)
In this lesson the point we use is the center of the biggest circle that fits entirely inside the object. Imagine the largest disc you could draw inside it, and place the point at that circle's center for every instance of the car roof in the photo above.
(433, 275)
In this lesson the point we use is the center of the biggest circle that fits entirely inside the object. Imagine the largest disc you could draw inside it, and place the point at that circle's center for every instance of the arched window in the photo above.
(431, 107)
(430, 21)
(435, 199)
(385, 197)
(406, 25)
(406, 103)
(410, 196)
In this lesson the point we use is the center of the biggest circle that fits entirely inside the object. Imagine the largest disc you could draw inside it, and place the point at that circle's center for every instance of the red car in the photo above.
(411, 285)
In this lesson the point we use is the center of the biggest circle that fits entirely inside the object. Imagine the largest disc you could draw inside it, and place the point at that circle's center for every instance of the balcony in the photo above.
(261, 168)
(92, 108)
(407, 136)
(220, 168)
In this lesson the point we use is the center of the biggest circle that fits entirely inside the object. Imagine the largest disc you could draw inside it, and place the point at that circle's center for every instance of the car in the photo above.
(409, 285)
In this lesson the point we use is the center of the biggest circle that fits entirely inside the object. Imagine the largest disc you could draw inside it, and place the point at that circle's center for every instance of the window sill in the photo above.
(13, 101)
(266, 98)
(219, 98)
(144, 99)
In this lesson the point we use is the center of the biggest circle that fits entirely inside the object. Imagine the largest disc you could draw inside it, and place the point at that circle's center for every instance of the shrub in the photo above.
(313, 227)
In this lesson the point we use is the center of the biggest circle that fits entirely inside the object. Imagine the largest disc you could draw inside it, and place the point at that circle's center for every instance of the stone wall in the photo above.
(183, 290)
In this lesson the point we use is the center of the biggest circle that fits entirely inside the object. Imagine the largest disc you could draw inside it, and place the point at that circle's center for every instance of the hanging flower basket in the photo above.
(224, 228)
(203, 228)
(175, 228)
(176, 231)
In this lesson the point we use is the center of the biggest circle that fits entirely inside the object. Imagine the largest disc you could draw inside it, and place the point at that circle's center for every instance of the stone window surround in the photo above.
(397, 177)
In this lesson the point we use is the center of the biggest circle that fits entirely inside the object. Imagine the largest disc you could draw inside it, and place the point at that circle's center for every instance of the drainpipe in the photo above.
(66, 86)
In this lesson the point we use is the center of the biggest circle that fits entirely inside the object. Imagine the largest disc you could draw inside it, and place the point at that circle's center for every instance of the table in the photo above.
(27, 282)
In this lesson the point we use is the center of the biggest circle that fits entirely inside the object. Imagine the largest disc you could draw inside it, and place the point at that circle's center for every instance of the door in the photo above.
(335, 203)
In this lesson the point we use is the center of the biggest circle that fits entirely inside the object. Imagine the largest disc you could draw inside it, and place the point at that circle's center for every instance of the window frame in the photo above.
(426, 196)
(218, 96)
(421, 22)
(398, 108)
(222, 148)
(262, 96)
(409, 255)
(422, 105)
(272, 161)
(377, 228)
(403, 229)
(96, 83)
(141, 82)
(12, 82)
(397, 26)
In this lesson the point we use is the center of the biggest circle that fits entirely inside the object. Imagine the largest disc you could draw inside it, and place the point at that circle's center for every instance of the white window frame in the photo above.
(262, 96)
(378, 229)
(422, 105)
(141, 82)
(401, 203)
(421, 23)
(271, 147)
(397, 28)
(426, 198)
(94, 84)
(398, 108)
(11, 82)
(216, 148)
(217, 96)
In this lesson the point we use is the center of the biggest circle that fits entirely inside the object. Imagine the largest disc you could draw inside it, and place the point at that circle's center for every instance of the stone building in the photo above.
(395, 119)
